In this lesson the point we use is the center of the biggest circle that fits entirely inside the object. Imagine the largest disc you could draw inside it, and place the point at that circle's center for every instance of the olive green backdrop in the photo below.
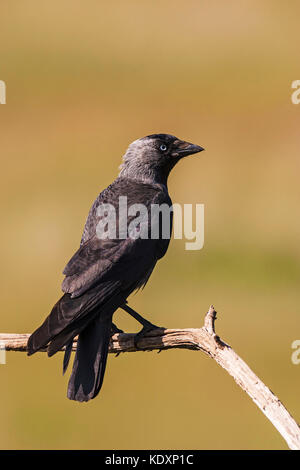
(83, 80)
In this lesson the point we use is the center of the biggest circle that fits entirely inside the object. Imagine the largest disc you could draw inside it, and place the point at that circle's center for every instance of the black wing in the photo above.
(126, 260)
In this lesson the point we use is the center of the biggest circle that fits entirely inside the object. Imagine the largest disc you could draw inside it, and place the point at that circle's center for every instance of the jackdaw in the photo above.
(107, 269)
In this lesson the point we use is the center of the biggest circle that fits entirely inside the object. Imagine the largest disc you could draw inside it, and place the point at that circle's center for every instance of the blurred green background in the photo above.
(83, 80)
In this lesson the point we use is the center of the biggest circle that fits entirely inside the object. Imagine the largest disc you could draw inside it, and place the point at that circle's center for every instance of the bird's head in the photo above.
(151, 158)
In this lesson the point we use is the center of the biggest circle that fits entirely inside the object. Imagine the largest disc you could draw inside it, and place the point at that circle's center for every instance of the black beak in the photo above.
(183, 149)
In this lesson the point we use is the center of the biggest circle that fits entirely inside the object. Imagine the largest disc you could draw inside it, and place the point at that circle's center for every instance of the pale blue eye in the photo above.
(163, 147)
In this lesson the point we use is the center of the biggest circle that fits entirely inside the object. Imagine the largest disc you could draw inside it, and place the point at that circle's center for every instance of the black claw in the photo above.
(147, 326)
(144, 331)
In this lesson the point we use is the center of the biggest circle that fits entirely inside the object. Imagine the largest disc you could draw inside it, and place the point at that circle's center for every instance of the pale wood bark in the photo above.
(199, 339)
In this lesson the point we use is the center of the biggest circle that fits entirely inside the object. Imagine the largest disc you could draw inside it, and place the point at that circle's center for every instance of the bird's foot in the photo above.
(147, 328)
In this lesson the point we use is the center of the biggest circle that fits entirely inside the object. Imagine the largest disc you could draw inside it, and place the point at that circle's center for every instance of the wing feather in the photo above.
(128, 260)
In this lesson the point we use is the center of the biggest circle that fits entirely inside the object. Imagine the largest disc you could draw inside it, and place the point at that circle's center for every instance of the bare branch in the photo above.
(200, 339)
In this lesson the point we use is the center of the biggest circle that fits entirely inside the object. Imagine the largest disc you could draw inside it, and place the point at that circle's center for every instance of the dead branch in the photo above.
(199, 339)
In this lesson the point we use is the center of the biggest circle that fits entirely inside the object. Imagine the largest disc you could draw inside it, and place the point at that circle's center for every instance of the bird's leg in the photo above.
(138, 317)
(147, 325)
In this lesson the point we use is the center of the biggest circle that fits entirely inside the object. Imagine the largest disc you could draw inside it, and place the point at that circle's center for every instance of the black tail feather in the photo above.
(67, 356)
(90, 317)
(90, 360)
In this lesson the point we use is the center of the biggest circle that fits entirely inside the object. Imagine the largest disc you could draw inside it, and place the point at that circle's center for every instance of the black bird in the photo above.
(105, 271)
